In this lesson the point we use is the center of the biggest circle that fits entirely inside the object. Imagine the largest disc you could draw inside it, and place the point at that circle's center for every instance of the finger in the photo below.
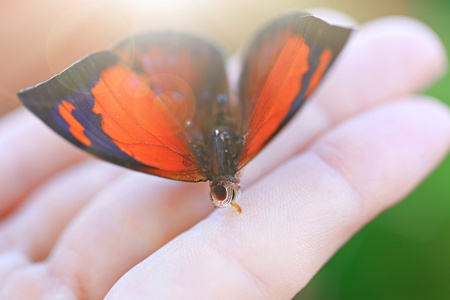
(297, 216)
(29, 153)
(126, 223)
(387, 58)
(34, 228)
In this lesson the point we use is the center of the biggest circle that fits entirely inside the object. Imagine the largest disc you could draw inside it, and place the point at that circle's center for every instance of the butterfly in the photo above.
(160, 102)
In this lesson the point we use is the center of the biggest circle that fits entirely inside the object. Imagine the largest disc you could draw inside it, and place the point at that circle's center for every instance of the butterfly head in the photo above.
(225, 194)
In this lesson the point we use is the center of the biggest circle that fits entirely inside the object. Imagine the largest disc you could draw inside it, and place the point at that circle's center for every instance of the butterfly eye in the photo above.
(224, 194)
(219, 192)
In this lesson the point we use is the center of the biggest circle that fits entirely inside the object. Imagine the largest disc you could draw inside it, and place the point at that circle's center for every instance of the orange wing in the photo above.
(136, 106)
(282, 68)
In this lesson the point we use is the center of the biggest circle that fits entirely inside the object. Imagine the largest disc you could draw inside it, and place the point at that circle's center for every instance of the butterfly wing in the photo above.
(189, 65)
(114, 106)
(282, 67)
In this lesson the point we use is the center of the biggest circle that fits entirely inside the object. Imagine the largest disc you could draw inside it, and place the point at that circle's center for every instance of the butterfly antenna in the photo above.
(236, 207)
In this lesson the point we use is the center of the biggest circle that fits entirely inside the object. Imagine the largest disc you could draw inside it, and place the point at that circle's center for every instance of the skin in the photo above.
(77, 228)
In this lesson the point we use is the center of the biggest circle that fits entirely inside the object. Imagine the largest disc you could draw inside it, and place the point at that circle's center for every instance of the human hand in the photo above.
(80, 229)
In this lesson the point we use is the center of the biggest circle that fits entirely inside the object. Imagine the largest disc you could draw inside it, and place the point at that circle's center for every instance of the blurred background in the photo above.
(403, 254)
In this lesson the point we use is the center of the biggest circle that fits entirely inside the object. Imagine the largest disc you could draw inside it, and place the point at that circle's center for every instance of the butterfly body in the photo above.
(160, 102)
(224, 174)
(220, 154)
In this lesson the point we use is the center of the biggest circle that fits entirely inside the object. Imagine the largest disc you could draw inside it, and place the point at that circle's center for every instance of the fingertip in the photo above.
(435, 115)
(333, 17)
(421, 45)
(234, 68)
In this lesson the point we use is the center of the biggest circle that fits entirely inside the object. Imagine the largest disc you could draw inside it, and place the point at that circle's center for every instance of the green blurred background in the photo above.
(403, 254)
